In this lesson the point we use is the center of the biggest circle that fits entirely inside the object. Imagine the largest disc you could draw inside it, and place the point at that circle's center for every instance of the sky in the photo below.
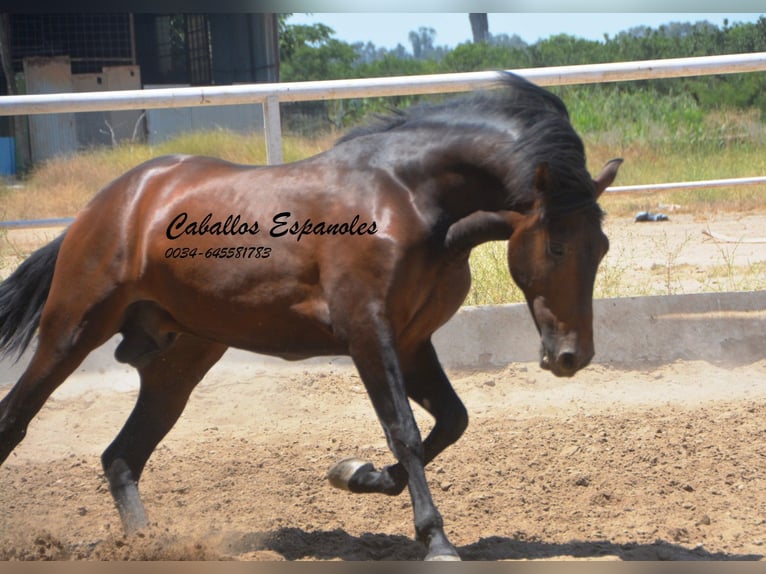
(386, 30)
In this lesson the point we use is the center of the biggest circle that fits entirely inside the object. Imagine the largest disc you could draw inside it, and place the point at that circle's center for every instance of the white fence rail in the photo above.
(706, 184)
(271, 95)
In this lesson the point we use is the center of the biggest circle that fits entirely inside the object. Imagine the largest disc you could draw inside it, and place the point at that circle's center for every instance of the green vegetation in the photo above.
(312, 52)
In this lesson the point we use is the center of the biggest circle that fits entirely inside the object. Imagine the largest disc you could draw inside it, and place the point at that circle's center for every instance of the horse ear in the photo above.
(480, 227)
(607, 176)
(543, 186)
(543, 183)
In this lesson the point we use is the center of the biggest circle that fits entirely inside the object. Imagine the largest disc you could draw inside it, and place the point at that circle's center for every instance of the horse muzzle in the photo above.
(561, 352)
(563, 362)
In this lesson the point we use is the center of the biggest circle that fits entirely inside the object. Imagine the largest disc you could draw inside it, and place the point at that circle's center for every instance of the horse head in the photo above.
(553, 257)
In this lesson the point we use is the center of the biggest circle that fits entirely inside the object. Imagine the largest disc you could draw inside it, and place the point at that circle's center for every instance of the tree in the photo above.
(507, 41)
(565, 50)
(311, 53)
(475, 57)
(479, 27)
(422, 42)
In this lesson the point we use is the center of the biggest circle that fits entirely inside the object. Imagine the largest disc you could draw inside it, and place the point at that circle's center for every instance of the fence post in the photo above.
(272, 124)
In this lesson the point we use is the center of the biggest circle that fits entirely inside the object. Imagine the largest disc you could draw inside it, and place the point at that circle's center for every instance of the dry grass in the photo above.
(62, 186)
(647, 165)
(490, 279)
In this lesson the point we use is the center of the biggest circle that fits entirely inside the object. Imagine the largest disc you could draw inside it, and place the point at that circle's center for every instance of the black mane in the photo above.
(534, 126)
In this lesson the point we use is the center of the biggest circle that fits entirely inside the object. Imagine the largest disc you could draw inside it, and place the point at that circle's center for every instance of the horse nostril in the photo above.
(567, 362)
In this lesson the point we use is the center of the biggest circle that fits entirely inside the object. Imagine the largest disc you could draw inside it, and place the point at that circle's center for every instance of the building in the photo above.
(80, 52)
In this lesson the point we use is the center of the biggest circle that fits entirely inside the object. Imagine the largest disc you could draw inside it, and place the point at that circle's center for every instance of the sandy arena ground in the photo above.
(623, 462)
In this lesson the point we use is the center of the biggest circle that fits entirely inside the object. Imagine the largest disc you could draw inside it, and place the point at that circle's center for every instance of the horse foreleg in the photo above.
(375, 356)
(428, 385)
(166, 383)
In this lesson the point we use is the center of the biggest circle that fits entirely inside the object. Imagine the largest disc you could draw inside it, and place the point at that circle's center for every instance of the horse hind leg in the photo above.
(168, 377)
(69, 330)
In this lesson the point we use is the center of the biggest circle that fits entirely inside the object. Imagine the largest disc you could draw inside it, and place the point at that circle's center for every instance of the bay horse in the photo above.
(361, 250)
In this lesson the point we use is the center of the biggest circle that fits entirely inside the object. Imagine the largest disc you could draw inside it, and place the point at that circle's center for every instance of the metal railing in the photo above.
(271, 95)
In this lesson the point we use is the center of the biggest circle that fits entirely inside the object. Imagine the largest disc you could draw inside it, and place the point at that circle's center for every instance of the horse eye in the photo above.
(556, 248)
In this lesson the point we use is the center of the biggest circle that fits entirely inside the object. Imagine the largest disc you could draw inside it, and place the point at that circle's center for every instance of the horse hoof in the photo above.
(443, 558)
(341, 474)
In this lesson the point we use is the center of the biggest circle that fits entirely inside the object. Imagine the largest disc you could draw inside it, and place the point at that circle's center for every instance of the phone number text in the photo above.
(242, 252)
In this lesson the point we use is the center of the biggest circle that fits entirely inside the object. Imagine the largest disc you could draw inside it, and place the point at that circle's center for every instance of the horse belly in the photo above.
(256, 305)
(267, 329)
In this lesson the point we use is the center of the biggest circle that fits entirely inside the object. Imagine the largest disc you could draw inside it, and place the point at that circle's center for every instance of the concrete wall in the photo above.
(716, 327)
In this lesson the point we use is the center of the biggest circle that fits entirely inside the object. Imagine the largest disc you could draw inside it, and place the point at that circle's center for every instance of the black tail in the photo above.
(22, 297)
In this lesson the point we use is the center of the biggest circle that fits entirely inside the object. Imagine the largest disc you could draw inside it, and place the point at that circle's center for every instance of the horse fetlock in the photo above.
(343, 473)
(458, 422)
(359, 476)
(118, 473)
(394, 479)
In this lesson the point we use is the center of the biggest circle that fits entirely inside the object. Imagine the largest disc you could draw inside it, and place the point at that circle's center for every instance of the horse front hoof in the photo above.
(342, 473)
